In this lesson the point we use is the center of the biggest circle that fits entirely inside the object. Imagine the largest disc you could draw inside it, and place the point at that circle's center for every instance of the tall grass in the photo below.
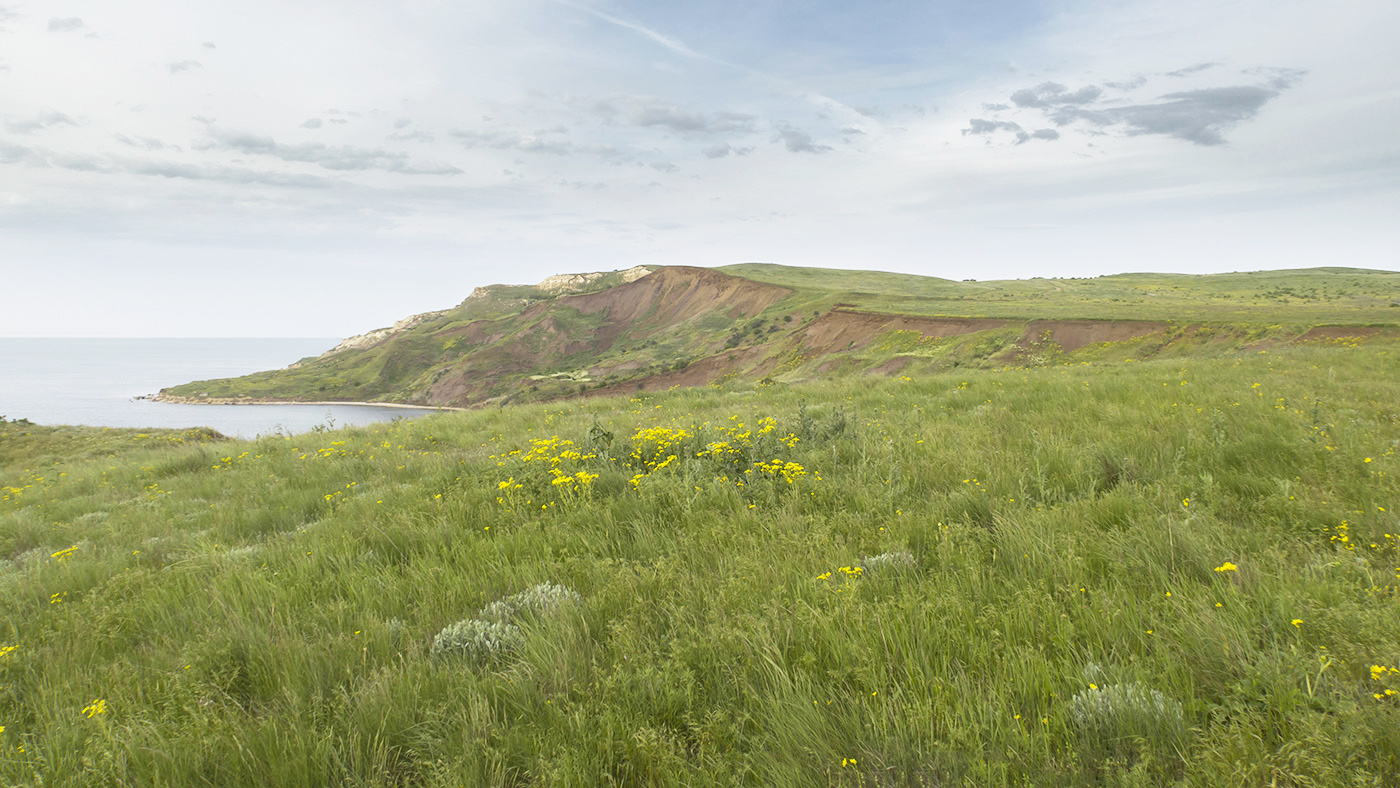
(1172, 572)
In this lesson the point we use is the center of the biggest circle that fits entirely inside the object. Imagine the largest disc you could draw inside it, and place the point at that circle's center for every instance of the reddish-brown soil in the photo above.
(675, 294)
(842, 330)
(1071, 335)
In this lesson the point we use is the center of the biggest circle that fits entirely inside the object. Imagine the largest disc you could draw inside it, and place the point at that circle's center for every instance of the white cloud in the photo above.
(534, 132)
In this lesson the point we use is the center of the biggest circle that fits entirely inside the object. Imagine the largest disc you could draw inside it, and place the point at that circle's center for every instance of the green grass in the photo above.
(1312, 296)
(264, 612)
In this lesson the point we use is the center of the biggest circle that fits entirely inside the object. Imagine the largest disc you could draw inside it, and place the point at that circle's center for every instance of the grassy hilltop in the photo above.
(1175, 571)
(609, 334)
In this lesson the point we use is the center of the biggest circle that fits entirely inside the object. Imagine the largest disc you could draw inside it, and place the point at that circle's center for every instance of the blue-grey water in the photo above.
(94, 382)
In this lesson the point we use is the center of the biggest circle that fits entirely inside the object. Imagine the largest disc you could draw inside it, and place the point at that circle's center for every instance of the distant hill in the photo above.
(651, 328)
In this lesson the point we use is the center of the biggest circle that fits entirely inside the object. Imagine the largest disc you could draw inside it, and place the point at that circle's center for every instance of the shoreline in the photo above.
(171, 400)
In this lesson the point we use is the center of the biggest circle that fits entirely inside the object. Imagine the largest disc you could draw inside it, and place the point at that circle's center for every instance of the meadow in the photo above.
(1176, 572)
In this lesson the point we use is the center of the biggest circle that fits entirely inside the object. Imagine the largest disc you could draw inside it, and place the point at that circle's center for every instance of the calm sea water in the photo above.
(94, 382)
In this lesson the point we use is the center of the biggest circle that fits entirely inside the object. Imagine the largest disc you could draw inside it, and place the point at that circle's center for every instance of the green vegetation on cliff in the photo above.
(1178, 571)
(679, 326)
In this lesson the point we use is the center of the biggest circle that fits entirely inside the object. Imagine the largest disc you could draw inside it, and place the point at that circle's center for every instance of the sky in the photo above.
(317, 168)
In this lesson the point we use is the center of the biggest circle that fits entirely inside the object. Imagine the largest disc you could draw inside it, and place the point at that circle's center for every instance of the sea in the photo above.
(96, 382)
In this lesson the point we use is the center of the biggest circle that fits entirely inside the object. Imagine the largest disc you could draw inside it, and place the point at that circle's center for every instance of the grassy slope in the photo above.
(1240, 308)
(1314, 296)
(263, 612)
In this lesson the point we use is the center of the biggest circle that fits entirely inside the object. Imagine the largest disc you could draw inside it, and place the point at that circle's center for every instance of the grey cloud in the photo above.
(1182, 72)
(1198, 116)
(13, 154)
(664, 166)
(66, 25)
(1278, 78)
(311, 123)
(7, 14)
(1131, 84)
(402, 123)
(852, 130)
(649, 112)
(18, 154)
(984, 127)
(209, 45)
(981, 126)
(339, 121)
(501, 140)
(235, 175)
(43, 122)
(144, 143)
(606, 152)
(183, 65)
(205, 119)
(1048, 94)
(724, 149)
(995, 107)
(343, 157)
(800, 142)
(411, 136)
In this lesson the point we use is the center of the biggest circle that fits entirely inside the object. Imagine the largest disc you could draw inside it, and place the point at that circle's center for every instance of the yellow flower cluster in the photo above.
(98, 706)
(1227, 567)
(544, 460)
(1382, 674)
(788, 471)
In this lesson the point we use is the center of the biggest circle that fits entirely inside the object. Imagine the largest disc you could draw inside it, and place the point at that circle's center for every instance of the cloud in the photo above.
(41, 123)
(995, 107)
(980, 126)
(209, 45)
(402, 123)
(984, 127)
(1199, 116)
(411, 136)
(70, 24)
(502, 140)
(1048, 94)
(117, 165)
(312, 123)
(7, 14)
(1182, 72)
(664, 166)
(1278, 78)
(183, 65)
(143, 143)
(799, 141)
(343, 157)
(1129, 84)
(645, 112)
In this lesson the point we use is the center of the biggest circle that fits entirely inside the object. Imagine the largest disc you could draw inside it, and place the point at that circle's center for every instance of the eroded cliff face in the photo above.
(500, 297)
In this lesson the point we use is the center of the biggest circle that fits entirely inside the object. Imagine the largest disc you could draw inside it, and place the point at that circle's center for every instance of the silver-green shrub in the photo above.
(899, 559)
(491, 633)
(1128, 710)
(532, 601)
(477, 640)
